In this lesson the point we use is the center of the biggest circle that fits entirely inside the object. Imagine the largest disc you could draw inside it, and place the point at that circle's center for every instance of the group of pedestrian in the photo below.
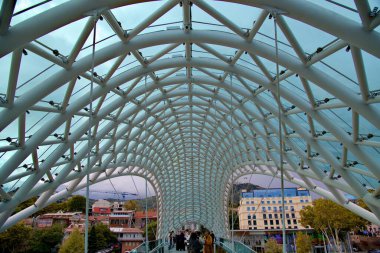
(193, 241)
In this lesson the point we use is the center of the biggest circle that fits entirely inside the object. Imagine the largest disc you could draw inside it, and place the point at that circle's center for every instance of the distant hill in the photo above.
(244, 186)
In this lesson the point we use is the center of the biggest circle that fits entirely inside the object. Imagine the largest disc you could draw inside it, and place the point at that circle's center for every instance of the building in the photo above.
(101, 208)
(140, 217)
(121, 218)
(129, 238)
(262, 209)
(64, 219)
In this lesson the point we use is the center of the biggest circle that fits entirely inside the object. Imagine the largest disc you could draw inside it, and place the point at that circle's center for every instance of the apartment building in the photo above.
(262, 209)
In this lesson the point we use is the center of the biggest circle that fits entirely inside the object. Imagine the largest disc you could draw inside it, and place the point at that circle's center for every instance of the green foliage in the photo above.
(52, 208)
(331, 219)
(303, 243)
(25, 204)
(100, 237)
(43, 240)
(152, 228)
(132, 205)
(326, 214)
(15, 239)
(76, 203)
(235, 218)
(73, 244)
(272, 246)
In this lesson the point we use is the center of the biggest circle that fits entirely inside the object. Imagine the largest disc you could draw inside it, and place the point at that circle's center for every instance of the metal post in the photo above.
(89, 140)
(280, 138)
(146, 212)
(146, 179)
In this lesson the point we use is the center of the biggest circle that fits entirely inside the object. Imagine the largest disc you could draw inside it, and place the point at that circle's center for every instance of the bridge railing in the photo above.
(233, 246)
(156, 246)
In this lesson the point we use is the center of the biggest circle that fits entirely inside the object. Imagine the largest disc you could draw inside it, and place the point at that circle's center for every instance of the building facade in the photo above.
(130, 238)
(262, 209)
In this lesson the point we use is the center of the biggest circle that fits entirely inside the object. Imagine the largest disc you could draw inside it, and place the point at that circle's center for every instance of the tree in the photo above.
(152, 228)
(76, 203)
(272, 246)
(25, 204)
(331, 219)
(235, 218)
(73, 244)
(43, 240)
(132, 205)
(15, 239)
(303, 243)
(100, 238)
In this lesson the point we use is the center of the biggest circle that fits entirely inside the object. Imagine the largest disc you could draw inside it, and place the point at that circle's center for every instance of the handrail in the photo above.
(161, 245)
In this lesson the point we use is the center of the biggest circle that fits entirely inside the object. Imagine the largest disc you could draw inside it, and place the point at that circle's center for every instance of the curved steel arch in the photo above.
(189, 139)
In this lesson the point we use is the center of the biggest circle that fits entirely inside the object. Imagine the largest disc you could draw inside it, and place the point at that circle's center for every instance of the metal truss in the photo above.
(189, 124)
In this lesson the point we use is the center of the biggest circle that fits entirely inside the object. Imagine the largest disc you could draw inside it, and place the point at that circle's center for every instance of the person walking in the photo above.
(208, 243)
(194, 244)
(171, 235)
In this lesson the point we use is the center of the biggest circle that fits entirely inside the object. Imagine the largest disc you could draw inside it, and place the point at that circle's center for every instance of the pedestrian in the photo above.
(194, 244)
(171, 235)
(208, 243)
(181, 242)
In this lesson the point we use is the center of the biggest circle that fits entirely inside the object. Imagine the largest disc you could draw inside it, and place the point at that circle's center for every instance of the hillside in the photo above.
(244, 186)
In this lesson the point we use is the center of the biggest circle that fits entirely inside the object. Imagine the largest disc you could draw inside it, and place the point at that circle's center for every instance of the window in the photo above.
(287, 216)
(277, 222)
(269, 208)
(253, 208)
(284, 201)
(265, 222)
(265, 227)
(254, 216)
(263, 208)
(295, 227)
(249, 222)
(289, 222)
(276, 216)
(249, 217)
(264, 216)
(262, 201)
(279, 201)
(254, 222)
(247, 202)
(301, 200)
(286, 208)
(248, 208)
(255, 228)
(293, 215)
(271, 222)
(250, 228)
(273, 201)
(290, 201)
(252, 202)
(271, 227)
(294, 221)
(268, 202)
(292, 208)
(306, 200)
(270, 216)
(275, 208)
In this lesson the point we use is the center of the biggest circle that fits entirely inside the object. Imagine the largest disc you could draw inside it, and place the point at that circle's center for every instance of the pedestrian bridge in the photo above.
(189, 95)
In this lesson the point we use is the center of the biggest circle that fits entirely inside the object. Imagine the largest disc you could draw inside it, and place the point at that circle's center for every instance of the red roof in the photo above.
(141, 214)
